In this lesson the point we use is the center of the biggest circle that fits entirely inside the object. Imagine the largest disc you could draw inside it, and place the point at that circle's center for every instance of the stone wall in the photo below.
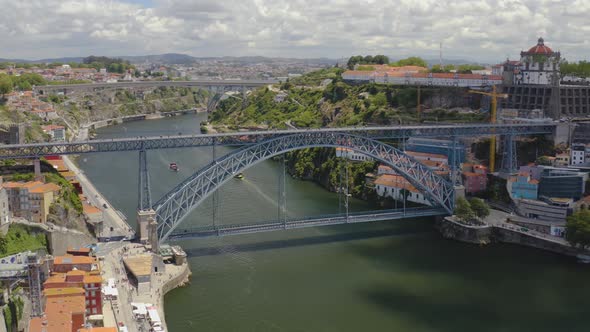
(464, 233)
(488, 234)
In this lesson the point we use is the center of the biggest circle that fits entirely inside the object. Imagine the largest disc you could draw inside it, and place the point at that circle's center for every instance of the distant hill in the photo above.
(176, 58)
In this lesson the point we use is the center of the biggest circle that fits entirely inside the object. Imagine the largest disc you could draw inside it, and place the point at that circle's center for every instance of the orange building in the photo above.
(80, 279)
(64, 311)
(63, 264)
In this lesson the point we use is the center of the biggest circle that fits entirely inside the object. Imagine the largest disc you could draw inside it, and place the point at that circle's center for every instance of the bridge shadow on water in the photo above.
(447, 286)
(300, 242)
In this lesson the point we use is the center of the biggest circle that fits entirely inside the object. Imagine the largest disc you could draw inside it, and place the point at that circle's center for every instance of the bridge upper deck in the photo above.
(38, 150)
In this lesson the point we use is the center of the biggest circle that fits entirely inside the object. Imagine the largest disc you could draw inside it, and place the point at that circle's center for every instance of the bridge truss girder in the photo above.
(38, 150)
(181, 200)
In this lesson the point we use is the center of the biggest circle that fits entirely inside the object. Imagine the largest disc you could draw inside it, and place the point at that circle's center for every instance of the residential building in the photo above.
(31, 200)
(351, 155)
(99, 329)
(578, 153)
(522, 186)
(57, 133)
(563, 183)
(475, 178)
(64, 311)
(63, 264)
(89, 281)
(396, 187)
(562, 159)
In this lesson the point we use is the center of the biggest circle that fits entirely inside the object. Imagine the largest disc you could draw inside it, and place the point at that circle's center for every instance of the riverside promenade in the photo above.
(113, 225)
(121, 310)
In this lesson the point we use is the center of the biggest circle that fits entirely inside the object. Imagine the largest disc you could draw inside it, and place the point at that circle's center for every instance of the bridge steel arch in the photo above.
(173, 207)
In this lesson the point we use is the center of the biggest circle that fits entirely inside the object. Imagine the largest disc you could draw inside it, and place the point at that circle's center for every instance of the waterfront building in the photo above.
(475, 178)
(64, 311)
(522, 186)
(90, 282)
(396, 187)
(548, 209)
(31, 200)
(563, 183)
(351, 155)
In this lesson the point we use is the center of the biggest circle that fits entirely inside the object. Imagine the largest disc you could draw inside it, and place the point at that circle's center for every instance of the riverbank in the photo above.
(121, 310)
(496, 229)
(83, 133)
(114, 225)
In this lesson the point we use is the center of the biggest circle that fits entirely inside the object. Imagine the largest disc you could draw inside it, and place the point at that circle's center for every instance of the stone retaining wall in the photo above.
(488, 234)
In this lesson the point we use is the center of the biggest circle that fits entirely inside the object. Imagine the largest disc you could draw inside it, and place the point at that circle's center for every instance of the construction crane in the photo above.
(494, 96)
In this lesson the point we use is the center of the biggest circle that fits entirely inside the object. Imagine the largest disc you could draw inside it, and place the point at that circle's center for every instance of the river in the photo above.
(385, 276)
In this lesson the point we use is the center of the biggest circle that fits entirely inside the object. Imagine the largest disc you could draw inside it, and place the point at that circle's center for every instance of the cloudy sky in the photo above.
(481, 30)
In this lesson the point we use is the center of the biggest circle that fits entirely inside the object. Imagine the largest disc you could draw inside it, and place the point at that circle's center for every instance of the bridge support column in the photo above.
(37, 167)
(146, 220)
(509, 161)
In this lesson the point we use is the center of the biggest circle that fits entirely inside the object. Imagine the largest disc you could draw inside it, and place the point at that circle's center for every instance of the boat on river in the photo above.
(173, 167)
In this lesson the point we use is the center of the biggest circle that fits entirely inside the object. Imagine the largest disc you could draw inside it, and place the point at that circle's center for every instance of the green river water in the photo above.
(385, 276)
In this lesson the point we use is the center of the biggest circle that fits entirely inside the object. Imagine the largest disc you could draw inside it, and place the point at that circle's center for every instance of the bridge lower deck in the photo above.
(294, 223)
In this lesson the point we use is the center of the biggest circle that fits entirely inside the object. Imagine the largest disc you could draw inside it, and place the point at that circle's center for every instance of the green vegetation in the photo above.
(463, 210)
(22, 82)
(367, 60)
(461, 69)
(69, 82)
(471, 211)
(578, 229)
(365, 68)
(337, 104)
(479, 207)
(13, 312)
(580, 69)
(411, 61)
(21, 238)
(112, 65)
(322, 166)
(68, 193)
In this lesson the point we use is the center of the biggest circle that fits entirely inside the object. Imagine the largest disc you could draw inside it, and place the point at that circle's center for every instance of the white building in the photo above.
(351, 155)
(578, 153)
(396, 186)
(538, 65)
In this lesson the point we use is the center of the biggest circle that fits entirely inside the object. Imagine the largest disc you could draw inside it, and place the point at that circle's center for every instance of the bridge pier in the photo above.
(148, 235)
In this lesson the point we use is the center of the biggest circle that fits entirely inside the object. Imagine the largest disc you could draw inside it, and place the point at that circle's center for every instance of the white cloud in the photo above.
(485, 30)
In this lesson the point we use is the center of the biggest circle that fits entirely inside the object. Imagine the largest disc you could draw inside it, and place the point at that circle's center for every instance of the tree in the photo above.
(479, 207)
(3, 244)
(577, 229)
(5, 85)
(411, 61)
(463, 210)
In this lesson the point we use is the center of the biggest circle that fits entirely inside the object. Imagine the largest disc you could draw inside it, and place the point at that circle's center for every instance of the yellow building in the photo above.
(31, 200)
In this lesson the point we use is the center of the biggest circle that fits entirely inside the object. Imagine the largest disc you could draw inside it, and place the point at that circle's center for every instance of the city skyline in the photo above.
(482, 31)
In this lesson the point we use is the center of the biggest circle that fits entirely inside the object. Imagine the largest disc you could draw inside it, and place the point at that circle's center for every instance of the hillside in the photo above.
(322, 99)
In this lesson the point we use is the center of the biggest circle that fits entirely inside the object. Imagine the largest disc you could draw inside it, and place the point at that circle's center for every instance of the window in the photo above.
(93, 294)
(94, 311)
(93, 302)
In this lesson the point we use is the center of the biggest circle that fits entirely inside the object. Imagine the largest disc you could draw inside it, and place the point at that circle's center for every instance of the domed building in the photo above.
(538, 65)
(534, 83)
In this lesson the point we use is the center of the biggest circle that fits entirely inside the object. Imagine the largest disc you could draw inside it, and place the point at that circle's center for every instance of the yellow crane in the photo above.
(494, 96)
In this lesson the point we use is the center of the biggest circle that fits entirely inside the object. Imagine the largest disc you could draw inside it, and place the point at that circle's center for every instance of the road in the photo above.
(112, 219)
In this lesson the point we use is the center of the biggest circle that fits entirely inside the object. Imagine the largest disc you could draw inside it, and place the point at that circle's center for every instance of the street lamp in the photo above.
(347, 195)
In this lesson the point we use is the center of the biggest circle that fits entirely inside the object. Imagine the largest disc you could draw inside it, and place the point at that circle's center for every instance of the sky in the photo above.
(478, 30)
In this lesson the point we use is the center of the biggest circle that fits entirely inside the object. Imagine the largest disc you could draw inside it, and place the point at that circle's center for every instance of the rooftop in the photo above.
(140, 265)
(395, 181)
(73, 260)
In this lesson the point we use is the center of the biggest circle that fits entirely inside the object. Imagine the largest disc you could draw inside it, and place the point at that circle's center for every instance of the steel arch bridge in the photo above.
(173, 207)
